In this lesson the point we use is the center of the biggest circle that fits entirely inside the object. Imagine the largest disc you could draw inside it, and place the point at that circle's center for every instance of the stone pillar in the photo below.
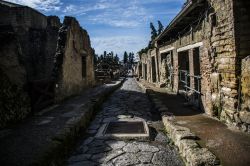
(151, 70)
(157, 66)
(191, 67)
(149, 78)
(175, 70)
(143, 70)
(139, 70)
(155, 69)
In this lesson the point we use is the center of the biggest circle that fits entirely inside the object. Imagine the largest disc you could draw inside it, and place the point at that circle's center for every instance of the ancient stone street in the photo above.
(108, 83)
(129, 102)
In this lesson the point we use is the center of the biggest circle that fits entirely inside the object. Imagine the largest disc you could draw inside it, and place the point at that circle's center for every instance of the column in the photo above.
(191, 67)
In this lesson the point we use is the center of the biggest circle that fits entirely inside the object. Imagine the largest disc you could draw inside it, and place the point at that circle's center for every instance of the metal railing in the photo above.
(185, 77)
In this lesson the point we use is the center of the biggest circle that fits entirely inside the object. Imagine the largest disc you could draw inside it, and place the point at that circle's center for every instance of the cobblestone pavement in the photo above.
(129, 102)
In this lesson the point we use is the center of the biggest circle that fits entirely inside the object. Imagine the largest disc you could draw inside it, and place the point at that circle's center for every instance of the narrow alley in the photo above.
(127, 103)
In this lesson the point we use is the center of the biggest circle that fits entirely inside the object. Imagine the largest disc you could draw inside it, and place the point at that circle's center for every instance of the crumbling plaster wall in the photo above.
(28, 44)
(73, 46)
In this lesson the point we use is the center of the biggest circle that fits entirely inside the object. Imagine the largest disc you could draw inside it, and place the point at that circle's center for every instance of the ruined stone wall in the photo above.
(28, 45)
(144, 60)
(243, 117)
(50, 47)
(14, 99)
(232, 46)
(220, 48)
(22, 16)
(73, 46)
(90, 79)
(37, 36)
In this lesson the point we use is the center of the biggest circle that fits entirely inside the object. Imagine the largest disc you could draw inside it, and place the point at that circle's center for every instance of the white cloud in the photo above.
(115, 21)
(114, 13)
(43, 5)
(83, 8)
(69, 8)
(118, 44)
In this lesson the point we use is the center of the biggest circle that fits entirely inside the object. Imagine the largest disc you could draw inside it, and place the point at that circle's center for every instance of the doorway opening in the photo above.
(140, 70)
(84, 67)
(183, 62)
(196, 66)
(166, 71)
(153, 69)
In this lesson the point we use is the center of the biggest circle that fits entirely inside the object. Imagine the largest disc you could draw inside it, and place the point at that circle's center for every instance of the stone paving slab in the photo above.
(129, 102)
(44, 137)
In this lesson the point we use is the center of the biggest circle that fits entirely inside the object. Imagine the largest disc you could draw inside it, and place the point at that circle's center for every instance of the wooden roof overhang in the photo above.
(183, 21)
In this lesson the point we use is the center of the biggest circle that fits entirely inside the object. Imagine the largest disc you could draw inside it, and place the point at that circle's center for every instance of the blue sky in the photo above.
(113, 25)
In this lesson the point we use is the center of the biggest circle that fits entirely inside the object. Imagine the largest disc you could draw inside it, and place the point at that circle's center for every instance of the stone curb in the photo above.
(192, 153)
(62, 143)
(145, 90)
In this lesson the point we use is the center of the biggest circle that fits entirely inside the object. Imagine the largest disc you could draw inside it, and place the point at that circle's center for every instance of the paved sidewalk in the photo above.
(129, 102)
(231, 147)
(45, 137)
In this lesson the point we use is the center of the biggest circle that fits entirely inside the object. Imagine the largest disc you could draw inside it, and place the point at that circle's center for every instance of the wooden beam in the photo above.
(188, 47)
(167, 50)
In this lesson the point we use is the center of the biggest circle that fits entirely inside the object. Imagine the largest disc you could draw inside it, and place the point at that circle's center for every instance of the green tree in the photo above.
(116, 59)
(95, 59)
(105, 54)
(160, 27)
(153, 31)
(101, 57)
(125, 57)
(143, 50)
(131, 57)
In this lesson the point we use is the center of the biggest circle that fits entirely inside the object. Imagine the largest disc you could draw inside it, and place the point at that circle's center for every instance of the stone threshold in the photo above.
(192, 153)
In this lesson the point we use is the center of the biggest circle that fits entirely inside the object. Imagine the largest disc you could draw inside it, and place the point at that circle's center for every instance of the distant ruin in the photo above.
(42, 61)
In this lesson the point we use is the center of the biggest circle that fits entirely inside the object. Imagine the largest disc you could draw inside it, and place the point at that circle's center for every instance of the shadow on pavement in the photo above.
(232, 147)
